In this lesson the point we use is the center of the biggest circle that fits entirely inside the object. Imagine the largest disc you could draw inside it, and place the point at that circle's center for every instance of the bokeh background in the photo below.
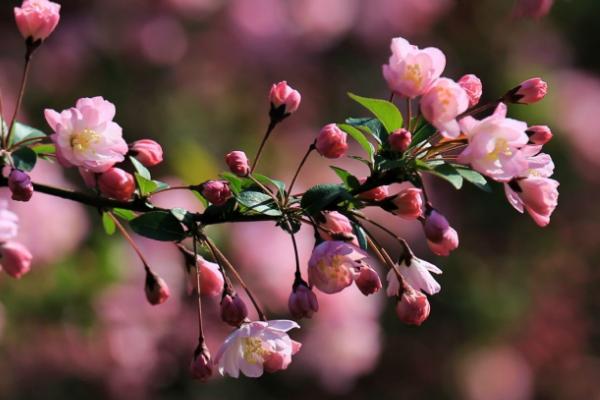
(518, 316)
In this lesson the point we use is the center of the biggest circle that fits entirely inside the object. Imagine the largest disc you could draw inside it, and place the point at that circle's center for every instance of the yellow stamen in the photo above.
(253, 351)
(81, 141)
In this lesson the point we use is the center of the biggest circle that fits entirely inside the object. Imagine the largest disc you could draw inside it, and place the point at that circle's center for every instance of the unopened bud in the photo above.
(539, 134)
(448, 243)
(117, 184)
(435, 226)
(413, 307)
(201, 366)
(528, 92)
(302, 302)
(472, 85)
(368, 281)
(157, 291)
(20, 185)
(331, 142)
(15, 259)
(147, 151)
(217, 192)
(238, 163)
(233, 310)
(284, 100)
(400, 140)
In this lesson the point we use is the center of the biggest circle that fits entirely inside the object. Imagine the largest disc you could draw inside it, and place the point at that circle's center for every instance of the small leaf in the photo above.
(372, 125)
(386, 112)
(258, 202)
(360, 235)
(201, 198)
(423, 131)
(127, 215)
(49, 148)
(235, 182)
(146, 186)
(360, 138)
(321, 196)
(108, 223)
(265, 180)
(474, 177)
(444, 171)
(158, 225)
(139, 167)
(24, 158)
(349, 180)
(22, 132)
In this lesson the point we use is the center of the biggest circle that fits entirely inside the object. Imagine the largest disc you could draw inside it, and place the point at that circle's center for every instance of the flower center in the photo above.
(334, 269)
(82, 141)
(500, 147)
(253, 351)
(413, 74)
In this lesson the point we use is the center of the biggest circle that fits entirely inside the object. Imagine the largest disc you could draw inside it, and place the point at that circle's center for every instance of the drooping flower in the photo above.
(368, 281)
(156, 289)
(9, 223)
(256, 347)
(337, 225)
(201, 365)
(303, 302)
(416, 274)
(20, 185)
(86, 136)
(147, 151)
(333, 265)
(15, 259)
(472, 85)
(37, 19)
(331, 142)
(233, 310)
(237, 163)
(494, 145)
(413, 307)
(211, 279)
(408, 203)
(410, 70)
(282, 94)
(442, 103)
(117, 184)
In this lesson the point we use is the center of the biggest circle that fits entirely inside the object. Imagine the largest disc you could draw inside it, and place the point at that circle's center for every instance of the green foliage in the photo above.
(372, 126)
(385, 111)
(258, 202)
(108, 223)
(321, 196)
(360, 138)
(23, 132)
(158, 225)
(24, 158)
(349, 180)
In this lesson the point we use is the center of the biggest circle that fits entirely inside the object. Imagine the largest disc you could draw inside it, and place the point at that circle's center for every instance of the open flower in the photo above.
(417, 274)
(442, 104)
(333, 265)
(494, 145)
(86, 136)
(256, 347)
(410, 70)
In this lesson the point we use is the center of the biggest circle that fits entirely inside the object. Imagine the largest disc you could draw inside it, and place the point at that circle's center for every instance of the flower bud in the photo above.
(435, 226)
(413, 307)
(377, 194)
(147, 151)
(337, 226)
(211, 279)
(15, 259)
(368, 281)
(201, 366)
(37, 19)
(530, 91)
(448, 243)
(157, 291)
(302, 302)
(233, 310)
(400, 140)
(20, 185)
(282, 94)
(238, 163)
(472, 85)
(217, 192)
(117, 184)
(408, 203)
(331, 142)
(539, 134)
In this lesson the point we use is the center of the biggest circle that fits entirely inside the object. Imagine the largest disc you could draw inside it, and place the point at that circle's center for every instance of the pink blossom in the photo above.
(37, 19)
(282, 94)
(337, 225)
(442, 103)
(435, 225)
(368, 281)
(530, 91)
(400, 140)
(157, 291)
(211, 279)
(217, 192)
(446, 244)
(238, 163)
(331, 142)
(233, 310)
(472, 85)
(411, 72)
(413, 307)
(117, 184)
(302, 302)
(86, 136)
(537, 195)
(333, 264)
(20, 185)
(257, 346)
(494, 144)
(15, 259)
(416, 274)
(201, 365)
(148, 152)
(9, 223)
(377, 194)
(408, 203)
(539, 134)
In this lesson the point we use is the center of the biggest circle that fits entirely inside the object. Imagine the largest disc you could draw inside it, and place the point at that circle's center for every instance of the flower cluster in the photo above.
(444, 139)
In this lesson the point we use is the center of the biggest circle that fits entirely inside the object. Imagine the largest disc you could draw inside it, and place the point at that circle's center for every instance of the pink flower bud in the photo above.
(117, 184)
(201, 366)
(157, 291)
(528, 92)
(539, 134)
(238, 163)
(368, 281)
(331, 142)
(211, 279)
(377, 194)
(20, 185)
(233, 310)
(413, 307)
(472, 85)
(408, 203)
(302, 302)
(435, 226)
(284, 95)
(448, 243)
(337, 226)
(147, 151)
(400, 140)
(37, 19)
(217, 192)
(15, 259)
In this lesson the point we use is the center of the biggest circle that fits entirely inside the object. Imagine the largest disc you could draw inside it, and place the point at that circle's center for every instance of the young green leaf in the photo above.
(422, 131)
(474, 177)
(258, 202)
(371, 125)
(158, 225)
(24, 158)
(49, 148)
(146, 186)
(360, 138)
(321, 196)
(265, 180)
(140, 169)
(108, 223)
(22, 132)
(444, 171)
(349, 180)
(386, 112)
(127, 215)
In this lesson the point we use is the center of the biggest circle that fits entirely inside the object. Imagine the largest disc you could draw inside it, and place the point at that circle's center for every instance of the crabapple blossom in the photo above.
(411, 71)
(447, 243)
(238, 163)
(333, 264)
(147, 151)
(233, 309)
(117, 184)
(368, 281)
(282, 94)
(9, 223)
(472, 86)
(302, 302)
(217, 192)
(20, 185)
(442, 103)
(157, 291)
(441, 238)
(201, 365)
(494, 145)
(413, 307)
(408, 203)
(256, 347)
(331, 142)
(530, 91)
(377, 194)
(211, 279)
(86, 136)
(539, 134)
(15, 259)
(37, 19)
(399, 140)
(417, 273)
(337, 226)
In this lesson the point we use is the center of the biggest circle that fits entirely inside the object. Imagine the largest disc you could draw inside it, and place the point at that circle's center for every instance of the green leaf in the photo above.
(444, 171)
(236, 184)
(258, 202)
(22, 132)
(140, 169)
(265, 180)
(319, 197)
(423, 131)
(386, 112)
(127, 215)
(49, 148)
(360, 138)
(108, 223)
(158, 225)
(372, 125)
(474, 177)
(146, 186)
(349, 180)
(360, 235)
(24, 158)
(201, 198)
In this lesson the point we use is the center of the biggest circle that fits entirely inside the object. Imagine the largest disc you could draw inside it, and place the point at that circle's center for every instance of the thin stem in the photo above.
(270, 128)
(26, 141)
(302, 162)
(129, 239)
(298, 273)
(28, 53)
(2, 122)
(481, 108)
(198, 285)
(169, 189)
(408, 112)
(265, 189)
(225, 261)
(402, 241)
